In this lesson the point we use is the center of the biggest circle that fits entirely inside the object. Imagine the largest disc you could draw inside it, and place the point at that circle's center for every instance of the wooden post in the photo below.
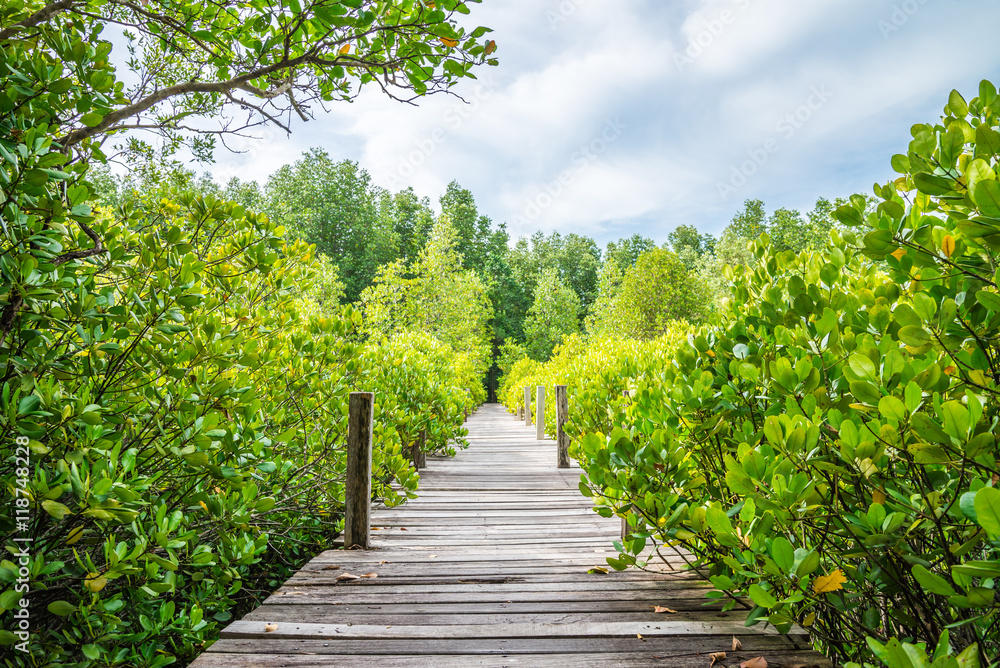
(415, 455)
(540, 413)
(358, 491)
(562, 438)
(527, 406)
(624, 527)
(422, 452)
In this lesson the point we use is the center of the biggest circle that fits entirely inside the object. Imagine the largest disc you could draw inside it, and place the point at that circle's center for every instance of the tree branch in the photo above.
(42, 15)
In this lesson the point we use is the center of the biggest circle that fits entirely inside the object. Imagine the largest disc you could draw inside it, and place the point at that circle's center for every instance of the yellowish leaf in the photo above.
(74, 535)
(491, 46)
(450, 43)
(810, 618)
(899, 253)
(203, 506)
(639, 636)
(827, 583)
(95, 582)
(598, 570)
(878, 496)
(346, 49)
(662, 608)
(716, 657)
(948, 245)
(268, 628)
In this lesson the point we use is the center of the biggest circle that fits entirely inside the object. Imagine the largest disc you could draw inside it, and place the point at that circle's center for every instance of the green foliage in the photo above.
(191, 59)
(825, 446)
(645, 300)
(334, 206)
(553, 316)
(435, 295)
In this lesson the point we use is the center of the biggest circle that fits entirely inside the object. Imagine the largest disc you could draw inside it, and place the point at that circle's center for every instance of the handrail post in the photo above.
(562, 438)
(358, 490)
(527, 405)
(540, 413)
(422, 452)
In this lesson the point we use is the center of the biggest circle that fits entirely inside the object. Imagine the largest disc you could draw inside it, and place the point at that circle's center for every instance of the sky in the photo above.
(610, 118)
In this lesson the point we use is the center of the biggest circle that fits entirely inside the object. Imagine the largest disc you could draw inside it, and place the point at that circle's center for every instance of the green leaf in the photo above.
(957, 105)
(932, 582)
(933, 185)
(986, 195)
(914, 336)
(892, 408)
(718, 521)
(56, 509)
(865, 392)
(990, 300)
(61, 608)
(783, 554)
(863, 366)
(987, 506)
(92, 119)
(761, 596)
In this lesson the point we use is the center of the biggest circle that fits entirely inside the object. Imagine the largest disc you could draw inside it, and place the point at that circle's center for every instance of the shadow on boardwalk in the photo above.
(489, 568)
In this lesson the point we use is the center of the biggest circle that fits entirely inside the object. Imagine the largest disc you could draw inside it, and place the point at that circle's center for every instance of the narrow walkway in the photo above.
(489, 567)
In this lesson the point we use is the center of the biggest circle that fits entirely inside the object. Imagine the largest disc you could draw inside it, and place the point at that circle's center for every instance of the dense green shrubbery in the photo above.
(825, 448)
(186, 417)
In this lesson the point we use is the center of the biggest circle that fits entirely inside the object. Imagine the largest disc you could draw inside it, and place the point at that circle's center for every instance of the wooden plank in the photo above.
(592, 629)
(646, 659)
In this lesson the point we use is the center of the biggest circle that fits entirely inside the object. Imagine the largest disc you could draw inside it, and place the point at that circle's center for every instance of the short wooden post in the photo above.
(527, 406)
(624, 526)
(540, 414)
(422, 451)
(562, 438)
(358, 490)
(415, 455)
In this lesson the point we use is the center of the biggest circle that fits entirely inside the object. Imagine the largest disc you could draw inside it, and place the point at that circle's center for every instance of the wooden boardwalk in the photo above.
(489, 567)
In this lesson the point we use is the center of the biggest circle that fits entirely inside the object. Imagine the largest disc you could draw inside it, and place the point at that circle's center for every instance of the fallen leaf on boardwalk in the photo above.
(369, 575)
(598, 569)
(828, 583)
(270, 627)
(433, 556)
(385, 562)
(737, 645)
(403, 529)
(330, 568)
(662, 608)
(347, 576)
(759, 662)
(716, 657)
(639, 636)
(376, 528)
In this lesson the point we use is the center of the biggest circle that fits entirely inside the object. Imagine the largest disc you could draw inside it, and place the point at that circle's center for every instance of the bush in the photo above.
(176, 420)
(825, 447)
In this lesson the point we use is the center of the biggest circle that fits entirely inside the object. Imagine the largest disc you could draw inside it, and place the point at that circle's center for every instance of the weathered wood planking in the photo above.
(489, 567)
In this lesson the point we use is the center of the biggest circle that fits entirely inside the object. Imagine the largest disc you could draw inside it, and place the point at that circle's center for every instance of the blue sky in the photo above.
(611, 117)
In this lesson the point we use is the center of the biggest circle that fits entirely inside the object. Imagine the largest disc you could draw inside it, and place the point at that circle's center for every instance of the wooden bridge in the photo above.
(494, 565)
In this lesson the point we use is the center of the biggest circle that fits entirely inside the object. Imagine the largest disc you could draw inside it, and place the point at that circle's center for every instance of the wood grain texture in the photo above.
(562, 417)
(493, 565)
(358, 486)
